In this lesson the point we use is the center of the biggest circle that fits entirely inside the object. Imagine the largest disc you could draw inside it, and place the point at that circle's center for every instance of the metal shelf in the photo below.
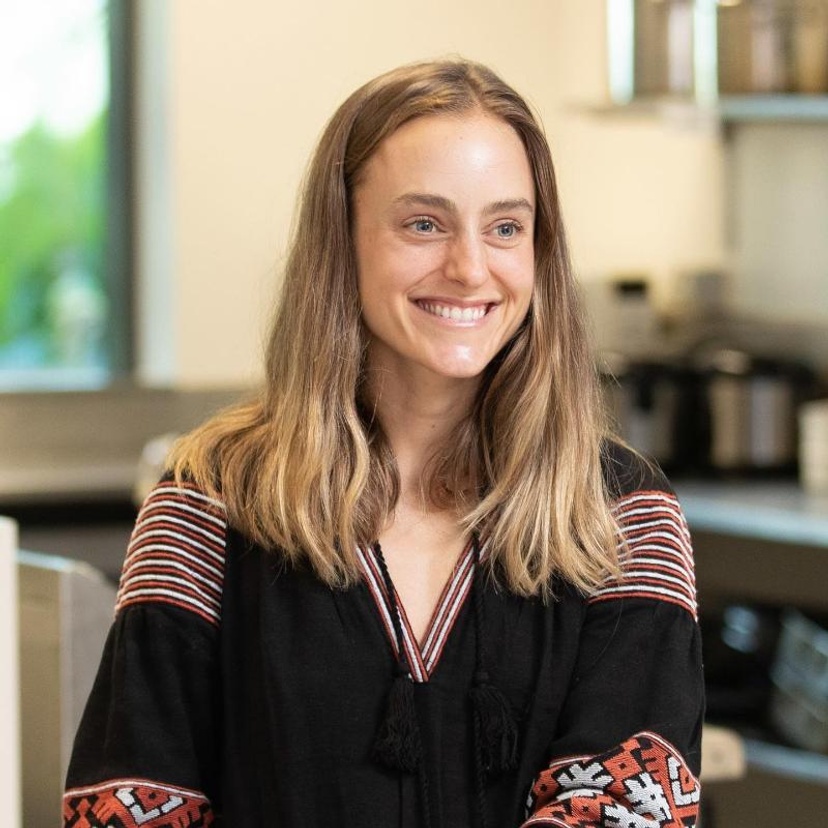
(768, 108)
(729, 110)
(788, 762)
(628, 94)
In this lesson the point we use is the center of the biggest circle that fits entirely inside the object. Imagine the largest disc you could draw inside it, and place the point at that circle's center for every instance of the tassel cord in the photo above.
(399, 742)
(494, 727)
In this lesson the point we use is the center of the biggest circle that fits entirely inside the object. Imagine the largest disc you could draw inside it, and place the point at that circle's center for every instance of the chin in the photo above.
(459, 370)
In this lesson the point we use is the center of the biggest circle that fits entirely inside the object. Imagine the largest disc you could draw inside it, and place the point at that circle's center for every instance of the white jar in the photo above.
(813, 446)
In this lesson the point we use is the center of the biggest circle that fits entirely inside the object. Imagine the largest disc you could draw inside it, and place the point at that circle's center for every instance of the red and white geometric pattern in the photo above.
(643, 783)
(135, 804)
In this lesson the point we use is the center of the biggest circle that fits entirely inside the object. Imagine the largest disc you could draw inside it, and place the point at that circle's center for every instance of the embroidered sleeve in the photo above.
(641, 783)
(628, 745)
(135, 802)
(146, 751)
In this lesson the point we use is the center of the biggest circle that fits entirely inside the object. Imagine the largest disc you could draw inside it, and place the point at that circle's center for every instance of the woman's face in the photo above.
(444, 219)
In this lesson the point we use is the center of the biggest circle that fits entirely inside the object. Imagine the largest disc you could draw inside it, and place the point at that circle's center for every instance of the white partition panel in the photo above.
(9, 678)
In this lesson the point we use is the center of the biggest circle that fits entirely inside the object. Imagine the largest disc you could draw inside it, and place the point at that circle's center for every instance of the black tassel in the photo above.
(398, 744)
(496, 726)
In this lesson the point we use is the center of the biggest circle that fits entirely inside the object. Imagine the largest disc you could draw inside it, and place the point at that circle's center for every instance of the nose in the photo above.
(467, 261)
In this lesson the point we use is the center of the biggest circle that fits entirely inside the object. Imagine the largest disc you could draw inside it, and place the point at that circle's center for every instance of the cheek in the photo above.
(521, 278)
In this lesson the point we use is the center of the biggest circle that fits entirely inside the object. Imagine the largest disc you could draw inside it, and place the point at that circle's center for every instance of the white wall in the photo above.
(779, 226)
(233, 97)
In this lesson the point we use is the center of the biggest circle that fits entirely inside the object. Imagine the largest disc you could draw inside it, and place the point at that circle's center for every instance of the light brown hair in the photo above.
(305, 469)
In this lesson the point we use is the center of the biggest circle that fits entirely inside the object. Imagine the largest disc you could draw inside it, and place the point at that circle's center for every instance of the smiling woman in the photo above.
(414, 581)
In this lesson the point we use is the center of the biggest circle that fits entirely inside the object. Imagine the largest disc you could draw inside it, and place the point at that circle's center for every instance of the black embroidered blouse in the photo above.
(236, 691)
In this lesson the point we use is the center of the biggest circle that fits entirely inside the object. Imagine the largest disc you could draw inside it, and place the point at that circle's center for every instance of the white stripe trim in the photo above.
(452, 617)
(658, 562)
(149, 548)
(411, 650)
(177, 506)
(167, 593)
(117, 784)
(680, 557)
(653, 590)
(150, 526)
(146, 526)
(191, 493)
(171, 579)
(457, 578)
(675, 534)
(662, 497)
(637, 572)
(681, 545)
(379, 598)
(638, 525)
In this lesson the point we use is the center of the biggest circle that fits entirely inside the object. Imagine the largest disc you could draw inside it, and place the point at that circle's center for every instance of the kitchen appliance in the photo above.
(739, 643)
(747, 412)
(649, 403)
(799, 702)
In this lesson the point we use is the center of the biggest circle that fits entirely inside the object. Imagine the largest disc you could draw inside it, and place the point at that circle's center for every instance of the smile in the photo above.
(453, 312)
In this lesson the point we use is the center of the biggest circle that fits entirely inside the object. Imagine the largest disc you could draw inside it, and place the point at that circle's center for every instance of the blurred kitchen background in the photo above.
(150, 153)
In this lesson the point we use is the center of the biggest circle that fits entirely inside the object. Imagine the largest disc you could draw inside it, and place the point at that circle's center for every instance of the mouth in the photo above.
(455, 313)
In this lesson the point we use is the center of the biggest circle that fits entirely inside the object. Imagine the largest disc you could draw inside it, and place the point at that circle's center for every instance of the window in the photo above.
(64, 194)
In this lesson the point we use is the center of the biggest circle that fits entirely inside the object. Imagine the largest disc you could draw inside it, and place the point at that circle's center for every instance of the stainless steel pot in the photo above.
(749, 406)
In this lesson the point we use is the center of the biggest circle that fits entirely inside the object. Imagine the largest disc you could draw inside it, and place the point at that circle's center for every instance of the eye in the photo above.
(508, 230)
(423, 225)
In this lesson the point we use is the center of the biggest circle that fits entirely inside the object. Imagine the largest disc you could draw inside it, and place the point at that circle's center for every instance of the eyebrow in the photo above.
(439, 202)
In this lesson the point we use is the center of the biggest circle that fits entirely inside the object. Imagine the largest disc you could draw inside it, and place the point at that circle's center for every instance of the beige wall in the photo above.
(233, 96)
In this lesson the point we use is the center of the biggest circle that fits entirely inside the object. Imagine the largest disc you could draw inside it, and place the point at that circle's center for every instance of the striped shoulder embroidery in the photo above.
(642, 782)
(130, 803)
(656, 554)
(176, 553)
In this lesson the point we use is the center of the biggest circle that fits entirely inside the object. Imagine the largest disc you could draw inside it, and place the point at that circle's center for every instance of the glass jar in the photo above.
(664, 47)
(772, 46)
(809, 47)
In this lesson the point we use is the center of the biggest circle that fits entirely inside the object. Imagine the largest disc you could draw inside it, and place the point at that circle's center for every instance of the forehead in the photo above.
(451, 151)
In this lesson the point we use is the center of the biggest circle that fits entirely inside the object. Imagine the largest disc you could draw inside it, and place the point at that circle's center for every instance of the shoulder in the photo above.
(176, 554)
(655, 549)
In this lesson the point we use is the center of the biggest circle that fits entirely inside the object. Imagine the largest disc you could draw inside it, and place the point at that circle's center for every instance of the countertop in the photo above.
(774, 511)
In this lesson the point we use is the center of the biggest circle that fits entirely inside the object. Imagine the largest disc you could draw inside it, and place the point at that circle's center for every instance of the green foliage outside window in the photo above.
(52, 302)
(53, 198)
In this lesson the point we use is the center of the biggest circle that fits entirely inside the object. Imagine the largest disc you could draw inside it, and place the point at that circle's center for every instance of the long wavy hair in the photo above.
(304, 468)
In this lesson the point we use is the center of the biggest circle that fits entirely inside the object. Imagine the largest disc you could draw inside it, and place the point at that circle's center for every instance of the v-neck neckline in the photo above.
(422, 657)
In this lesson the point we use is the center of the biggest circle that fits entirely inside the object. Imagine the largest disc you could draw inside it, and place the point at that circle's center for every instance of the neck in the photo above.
(418, 415)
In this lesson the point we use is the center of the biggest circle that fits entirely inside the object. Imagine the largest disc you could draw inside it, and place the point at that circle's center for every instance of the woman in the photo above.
(386, 592)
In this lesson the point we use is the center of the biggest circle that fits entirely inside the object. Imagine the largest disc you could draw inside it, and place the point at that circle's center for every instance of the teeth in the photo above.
(454, 313)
